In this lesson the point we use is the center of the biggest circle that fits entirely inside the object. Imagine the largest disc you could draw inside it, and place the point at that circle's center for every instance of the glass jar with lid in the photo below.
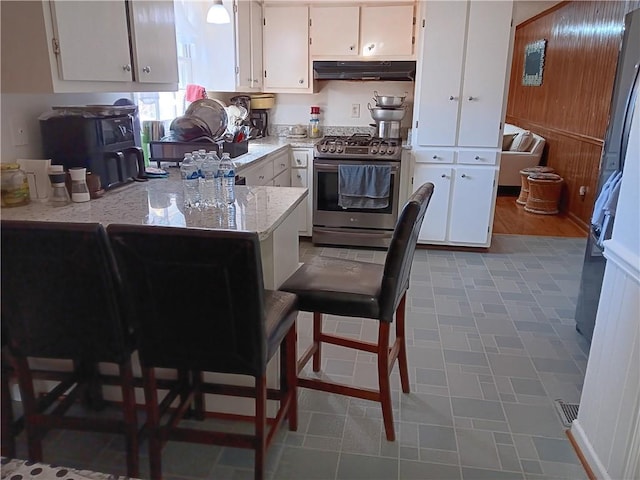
(15, 187)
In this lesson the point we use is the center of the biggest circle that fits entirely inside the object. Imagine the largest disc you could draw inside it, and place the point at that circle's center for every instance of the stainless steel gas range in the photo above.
(366, 226)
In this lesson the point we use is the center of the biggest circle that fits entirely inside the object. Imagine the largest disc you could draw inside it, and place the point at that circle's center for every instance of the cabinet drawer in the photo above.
(299, 177)
(435, 156)
(471, 157)
(261, 174)
(300, 158)
(280, 163)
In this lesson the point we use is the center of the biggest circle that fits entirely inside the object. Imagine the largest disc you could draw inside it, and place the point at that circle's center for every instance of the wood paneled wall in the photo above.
(571, 107)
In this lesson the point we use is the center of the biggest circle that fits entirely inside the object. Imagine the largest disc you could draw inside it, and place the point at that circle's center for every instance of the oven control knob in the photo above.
(339, 149)
(373, 150)
(332, 149)
(323, 148)
(391, 150)
(382, 150)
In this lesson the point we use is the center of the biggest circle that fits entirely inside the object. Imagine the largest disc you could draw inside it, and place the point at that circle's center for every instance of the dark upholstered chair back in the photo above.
(60, 292)
(197, 296)
(397, 265)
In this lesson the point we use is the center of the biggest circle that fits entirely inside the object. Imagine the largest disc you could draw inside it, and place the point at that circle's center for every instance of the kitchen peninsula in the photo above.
(269, 211)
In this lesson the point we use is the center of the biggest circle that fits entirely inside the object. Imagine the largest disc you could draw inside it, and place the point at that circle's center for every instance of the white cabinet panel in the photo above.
(261, 174)
(282, 179)
(301, 170)
(281, 162)
(334, 30)
(463, 70)
(485, 73)
(248, 41)
(471, 204)
(286, 48)
(90, 47)
(441, 72)
(434, 226)
(153, 38)
(386, 31)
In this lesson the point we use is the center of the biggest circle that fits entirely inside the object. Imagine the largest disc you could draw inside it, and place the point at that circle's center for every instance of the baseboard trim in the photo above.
(585, 452)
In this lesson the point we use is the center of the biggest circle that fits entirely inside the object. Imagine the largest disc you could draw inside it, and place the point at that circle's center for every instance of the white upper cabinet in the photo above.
(224, 57)
(463, 70)
(88, 46)
(153, 38)
(286, 48)
(362, 31)
(334, 30)
(386, 31)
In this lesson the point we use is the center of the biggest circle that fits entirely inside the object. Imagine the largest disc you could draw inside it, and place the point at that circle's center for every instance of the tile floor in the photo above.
(491, 343)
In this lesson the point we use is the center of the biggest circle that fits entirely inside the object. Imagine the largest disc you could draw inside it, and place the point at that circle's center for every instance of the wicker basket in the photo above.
(544, 193)
(524, 175)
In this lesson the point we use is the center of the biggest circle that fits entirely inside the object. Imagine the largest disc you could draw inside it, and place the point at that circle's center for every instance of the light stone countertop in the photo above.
(160, 202)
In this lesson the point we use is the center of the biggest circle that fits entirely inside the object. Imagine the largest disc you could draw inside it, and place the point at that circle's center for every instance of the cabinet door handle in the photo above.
(299, 176)
(126, 68)
(301, 81)
(283, 165)
(472, 98)
(261, 177)
(443, 176)
(477, 157)
(463, 176)
(371, 47)
(147, 69)
(352, 47)
(435, 157)
(453, 98)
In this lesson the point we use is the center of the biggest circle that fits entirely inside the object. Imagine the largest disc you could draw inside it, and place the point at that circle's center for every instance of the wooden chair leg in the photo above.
(402, 353)
(261, 427)
(317, 332)
(8, 439)
(153, 423)
(198, 398)
(289, 373)
(130, 419)
(383, 380)
(34, 434)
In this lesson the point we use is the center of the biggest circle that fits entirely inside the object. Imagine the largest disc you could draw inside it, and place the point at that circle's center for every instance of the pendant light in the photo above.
(217, 13)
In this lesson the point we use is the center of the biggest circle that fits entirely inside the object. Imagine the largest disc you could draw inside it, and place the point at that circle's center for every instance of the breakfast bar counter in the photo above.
(269, 211)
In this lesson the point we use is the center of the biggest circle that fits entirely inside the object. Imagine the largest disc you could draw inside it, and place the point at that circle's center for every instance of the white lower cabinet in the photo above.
(301, 170)
(461, 209)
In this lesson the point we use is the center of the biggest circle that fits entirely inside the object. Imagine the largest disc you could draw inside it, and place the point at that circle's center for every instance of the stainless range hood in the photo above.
(363, 70)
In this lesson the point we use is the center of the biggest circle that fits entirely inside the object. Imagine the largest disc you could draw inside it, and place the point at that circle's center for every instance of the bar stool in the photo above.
(544, 193)
(228, 323)
(524, 182)
(360, 289)
(61, 299)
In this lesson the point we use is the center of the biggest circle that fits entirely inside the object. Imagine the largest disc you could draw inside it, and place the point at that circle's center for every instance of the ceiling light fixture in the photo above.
(217, 13)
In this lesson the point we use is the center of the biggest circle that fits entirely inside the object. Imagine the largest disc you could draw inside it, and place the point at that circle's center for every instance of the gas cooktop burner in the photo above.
(359, 147)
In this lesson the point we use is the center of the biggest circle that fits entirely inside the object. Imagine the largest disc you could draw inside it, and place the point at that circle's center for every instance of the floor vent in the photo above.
(568, 411)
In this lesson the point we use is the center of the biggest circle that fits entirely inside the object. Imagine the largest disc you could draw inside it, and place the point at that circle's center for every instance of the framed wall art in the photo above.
(533, 63)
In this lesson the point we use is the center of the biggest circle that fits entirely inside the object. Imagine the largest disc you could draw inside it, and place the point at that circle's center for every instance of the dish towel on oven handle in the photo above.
(364, 186)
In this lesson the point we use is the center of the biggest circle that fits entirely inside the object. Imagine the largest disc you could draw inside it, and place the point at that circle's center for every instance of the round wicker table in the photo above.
(544, 193)
(524, 182)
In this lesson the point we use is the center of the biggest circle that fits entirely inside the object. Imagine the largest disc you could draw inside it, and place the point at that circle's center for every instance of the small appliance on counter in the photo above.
(98, 138)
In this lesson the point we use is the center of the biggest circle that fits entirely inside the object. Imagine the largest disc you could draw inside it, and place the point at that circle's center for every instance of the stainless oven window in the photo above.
(327, 194)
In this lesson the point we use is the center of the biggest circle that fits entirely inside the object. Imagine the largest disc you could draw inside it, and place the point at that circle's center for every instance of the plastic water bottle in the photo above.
(209, 191)
(198, 159)
(227, 172)
(190, 176)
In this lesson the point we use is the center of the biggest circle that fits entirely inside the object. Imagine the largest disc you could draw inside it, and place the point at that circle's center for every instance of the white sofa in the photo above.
(512, 162)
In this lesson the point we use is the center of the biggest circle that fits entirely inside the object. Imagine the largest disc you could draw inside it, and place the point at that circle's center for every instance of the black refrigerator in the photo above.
(612, 162)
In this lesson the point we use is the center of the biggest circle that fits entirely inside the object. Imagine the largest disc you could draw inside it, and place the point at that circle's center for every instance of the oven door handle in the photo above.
(333, 167)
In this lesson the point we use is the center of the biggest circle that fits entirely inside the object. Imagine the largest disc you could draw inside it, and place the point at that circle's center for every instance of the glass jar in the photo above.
(15, 187)
(314, 123)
